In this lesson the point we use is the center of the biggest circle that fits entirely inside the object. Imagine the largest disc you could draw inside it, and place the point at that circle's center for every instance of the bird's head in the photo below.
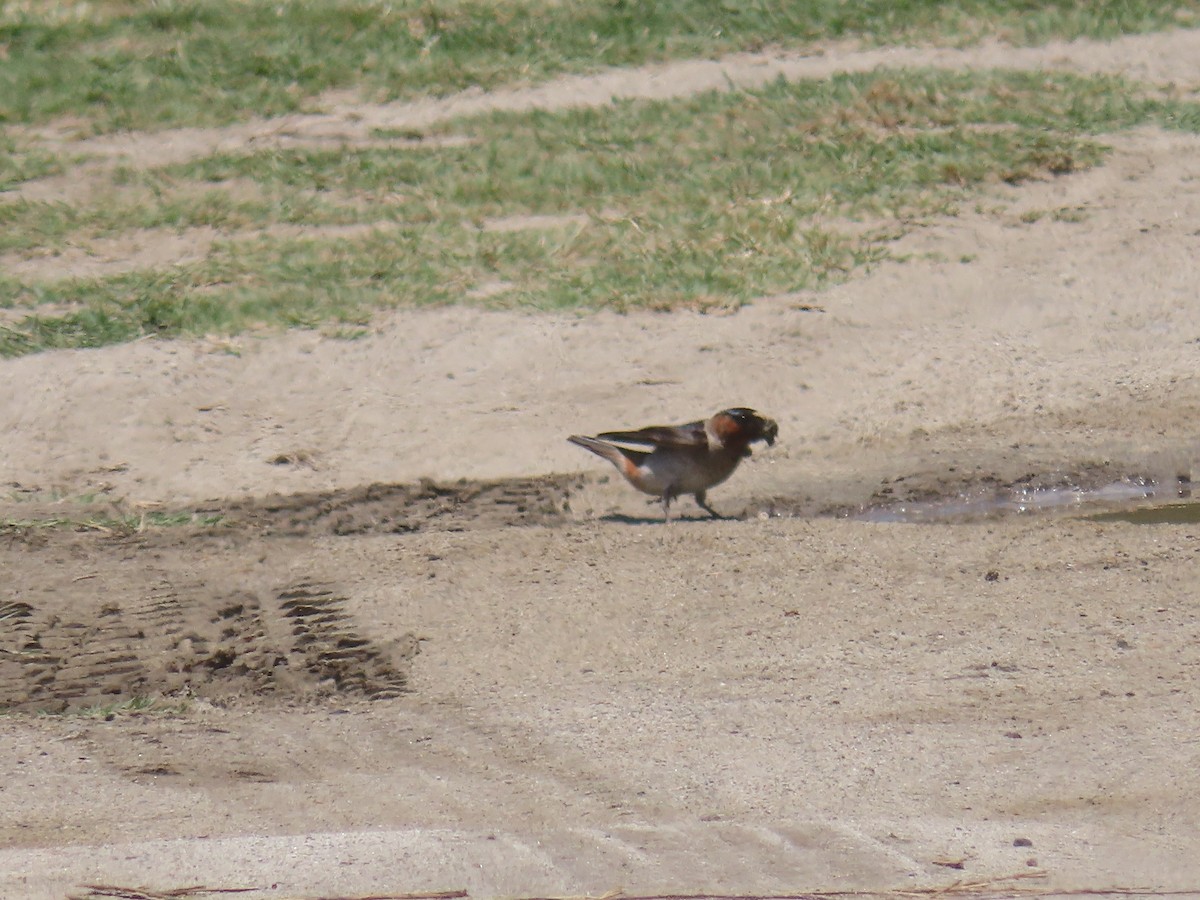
(743, 425)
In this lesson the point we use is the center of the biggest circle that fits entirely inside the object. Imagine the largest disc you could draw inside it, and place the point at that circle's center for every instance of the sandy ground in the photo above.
(523, 684)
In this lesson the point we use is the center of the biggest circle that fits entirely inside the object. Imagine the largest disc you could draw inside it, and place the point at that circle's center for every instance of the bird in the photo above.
(684, 459)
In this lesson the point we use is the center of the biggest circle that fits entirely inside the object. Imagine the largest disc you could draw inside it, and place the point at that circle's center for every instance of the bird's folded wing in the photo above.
(689, 435)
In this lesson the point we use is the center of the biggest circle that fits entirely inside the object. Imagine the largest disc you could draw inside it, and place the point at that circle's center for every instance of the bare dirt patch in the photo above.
(180, 612)
(145, 249)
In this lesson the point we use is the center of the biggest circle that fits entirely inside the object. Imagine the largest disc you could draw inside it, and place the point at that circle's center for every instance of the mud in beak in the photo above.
(770, 431)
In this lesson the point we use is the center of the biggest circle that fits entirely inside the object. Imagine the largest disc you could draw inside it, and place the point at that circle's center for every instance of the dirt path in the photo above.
(569, 698)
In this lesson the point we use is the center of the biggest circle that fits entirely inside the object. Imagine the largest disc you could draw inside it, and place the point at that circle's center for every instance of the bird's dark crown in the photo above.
(741, 413)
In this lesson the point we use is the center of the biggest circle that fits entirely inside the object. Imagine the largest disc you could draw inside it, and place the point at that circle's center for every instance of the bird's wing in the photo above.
(690, 435)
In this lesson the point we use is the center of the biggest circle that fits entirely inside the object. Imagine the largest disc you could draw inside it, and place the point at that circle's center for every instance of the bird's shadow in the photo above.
(659, 520)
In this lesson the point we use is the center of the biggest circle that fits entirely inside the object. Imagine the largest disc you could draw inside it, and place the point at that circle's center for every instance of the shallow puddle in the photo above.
(1138, 500)
(1181, 513)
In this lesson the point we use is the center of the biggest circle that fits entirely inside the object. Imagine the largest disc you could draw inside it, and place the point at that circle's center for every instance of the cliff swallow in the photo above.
(685, 459)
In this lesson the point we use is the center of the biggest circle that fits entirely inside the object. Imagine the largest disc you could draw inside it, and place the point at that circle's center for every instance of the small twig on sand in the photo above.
(99, 891)
(96, 891)
(995, 889)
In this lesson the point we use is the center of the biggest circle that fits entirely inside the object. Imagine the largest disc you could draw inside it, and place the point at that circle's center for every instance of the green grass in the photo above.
(22, 161)
(73, 511)
(124, 523)
(114, 65)
(708, 201)
(169, 203)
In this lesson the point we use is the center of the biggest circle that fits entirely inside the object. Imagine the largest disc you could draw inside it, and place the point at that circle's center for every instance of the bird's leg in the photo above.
(667, 497)
(702, 502)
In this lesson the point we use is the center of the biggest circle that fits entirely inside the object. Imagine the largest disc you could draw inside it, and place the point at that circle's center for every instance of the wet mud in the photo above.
(406, 508)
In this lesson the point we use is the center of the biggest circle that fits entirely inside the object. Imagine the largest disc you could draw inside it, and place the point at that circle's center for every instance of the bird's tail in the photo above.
(603, 449)
(627, 461)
